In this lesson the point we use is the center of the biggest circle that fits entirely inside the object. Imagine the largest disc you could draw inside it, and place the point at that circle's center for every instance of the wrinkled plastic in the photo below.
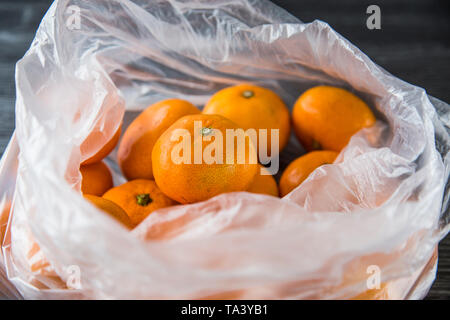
(383, 203)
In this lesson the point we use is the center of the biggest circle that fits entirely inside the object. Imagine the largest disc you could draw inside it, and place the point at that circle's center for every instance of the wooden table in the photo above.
(413, 44)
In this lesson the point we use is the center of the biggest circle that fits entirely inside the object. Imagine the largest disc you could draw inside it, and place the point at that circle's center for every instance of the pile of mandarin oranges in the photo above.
(157, 152)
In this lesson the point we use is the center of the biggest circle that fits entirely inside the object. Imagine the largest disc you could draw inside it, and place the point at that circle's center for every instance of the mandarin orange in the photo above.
(138, 198)
(299, 169)
(327, 117)
(253, 107)
(192, 160)
(135, 148)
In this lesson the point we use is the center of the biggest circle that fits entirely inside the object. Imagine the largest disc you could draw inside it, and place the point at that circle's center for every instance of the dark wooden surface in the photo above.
(413, 44)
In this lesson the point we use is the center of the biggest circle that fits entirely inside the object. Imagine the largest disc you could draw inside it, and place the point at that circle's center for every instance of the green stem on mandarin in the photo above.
(143, 199)
(248, 94)
(206, 131)
(316, 145)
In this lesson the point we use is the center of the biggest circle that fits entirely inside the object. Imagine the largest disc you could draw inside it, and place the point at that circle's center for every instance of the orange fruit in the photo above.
(264, 184)
(104, 151)
(138, 198)
(135, 148)
(187, 178)
(111, 208)
(250, 106)
(96, 178)
(327, 117)
(299, 169)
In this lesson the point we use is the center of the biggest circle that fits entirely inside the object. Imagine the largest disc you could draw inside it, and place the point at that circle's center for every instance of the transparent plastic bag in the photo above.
(382, 205)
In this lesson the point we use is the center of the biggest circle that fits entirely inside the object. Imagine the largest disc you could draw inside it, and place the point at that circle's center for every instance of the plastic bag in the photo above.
(379, 209)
